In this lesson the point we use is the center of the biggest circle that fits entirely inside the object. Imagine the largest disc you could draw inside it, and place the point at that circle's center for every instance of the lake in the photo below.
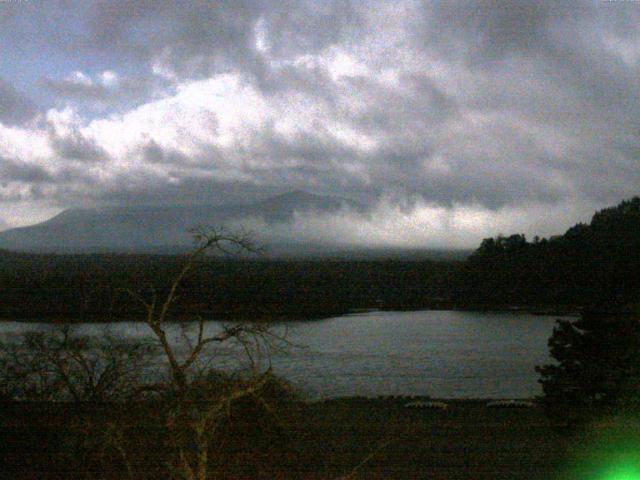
(448, 354)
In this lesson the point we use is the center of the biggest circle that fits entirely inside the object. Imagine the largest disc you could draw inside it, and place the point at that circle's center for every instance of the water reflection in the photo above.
(439, 353)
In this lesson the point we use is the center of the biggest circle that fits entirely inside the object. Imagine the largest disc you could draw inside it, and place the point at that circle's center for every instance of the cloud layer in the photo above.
(452, 120)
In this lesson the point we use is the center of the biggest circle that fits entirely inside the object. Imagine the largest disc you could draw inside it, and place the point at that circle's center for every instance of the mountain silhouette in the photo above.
(159, 228)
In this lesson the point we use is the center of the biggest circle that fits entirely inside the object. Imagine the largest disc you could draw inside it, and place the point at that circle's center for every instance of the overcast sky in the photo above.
(451, 120)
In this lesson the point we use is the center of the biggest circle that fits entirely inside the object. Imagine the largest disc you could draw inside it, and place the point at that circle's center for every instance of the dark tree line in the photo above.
(94, 287)
(598, 263)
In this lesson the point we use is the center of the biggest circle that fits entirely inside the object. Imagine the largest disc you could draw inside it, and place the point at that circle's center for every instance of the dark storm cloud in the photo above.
(73, 145)
(545, 64)
(485, 31)
(559, 48)
(20, 180)
(197, 39)
(413, 108)
(124, 91)
(192, 38)
(77, 91)
(317, 148)
(154, 153)
(304, 27)
(189, 191)
(17, 171)
(15, 108)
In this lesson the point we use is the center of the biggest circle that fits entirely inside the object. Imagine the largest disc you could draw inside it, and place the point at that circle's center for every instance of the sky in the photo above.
(450, 120)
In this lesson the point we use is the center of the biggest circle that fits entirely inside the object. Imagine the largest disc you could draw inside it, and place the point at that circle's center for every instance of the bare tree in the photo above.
(191, 407)
(200, 398)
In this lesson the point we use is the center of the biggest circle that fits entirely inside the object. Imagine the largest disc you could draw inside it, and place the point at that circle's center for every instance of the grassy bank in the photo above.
(364, 438)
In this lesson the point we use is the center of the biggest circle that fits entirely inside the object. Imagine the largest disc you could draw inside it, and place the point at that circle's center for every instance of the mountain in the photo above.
(161, 228)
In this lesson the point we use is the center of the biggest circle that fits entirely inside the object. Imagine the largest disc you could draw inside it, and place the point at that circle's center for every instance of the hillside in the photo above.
(596, 262)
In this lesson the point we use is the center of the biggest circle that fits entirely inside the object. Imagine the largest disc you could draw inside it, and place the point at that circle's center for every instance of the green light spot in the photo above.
(623, 472)
(608, 450)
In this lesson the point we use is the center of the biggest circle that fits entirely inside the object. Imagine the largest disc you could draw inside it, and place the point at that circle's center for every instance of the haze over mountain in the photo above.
(166, 228)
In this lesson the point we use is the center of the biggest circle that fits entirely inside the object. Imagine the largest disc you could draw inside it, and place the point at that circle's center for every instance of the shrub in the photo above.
(58, 365)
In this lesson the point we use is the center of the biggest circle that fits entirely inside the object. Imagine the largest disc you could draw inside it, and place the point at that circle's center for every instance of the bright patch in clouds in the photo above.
(109, 78)
(79, 78)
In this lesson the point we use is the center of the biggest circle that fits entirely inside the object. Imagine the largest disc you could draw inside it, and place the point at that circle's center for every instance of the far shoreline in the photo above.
(543, 311)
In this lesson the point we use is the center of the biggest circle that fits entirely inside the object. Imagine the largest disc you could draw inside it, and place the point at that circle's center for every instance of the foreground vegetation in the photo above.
(361, 438)
(342, 438)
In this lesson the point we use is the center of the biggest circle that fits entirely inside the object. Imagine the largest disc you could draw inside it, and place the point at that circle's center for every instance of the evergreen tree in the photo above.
(598, 364)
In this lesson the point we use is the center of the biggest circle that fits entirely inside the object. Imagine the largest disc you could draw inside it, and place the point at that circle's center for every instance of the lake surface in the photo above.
(447, 354)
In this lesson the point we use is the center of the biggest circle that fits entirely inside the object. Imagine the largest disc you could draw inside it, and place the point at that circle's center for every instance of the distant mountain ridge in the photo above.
(143, 228)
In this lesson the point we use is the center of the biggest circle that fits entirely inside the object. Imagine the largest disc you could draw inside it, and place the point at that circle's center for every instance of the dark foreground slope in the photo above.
(372, 439)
